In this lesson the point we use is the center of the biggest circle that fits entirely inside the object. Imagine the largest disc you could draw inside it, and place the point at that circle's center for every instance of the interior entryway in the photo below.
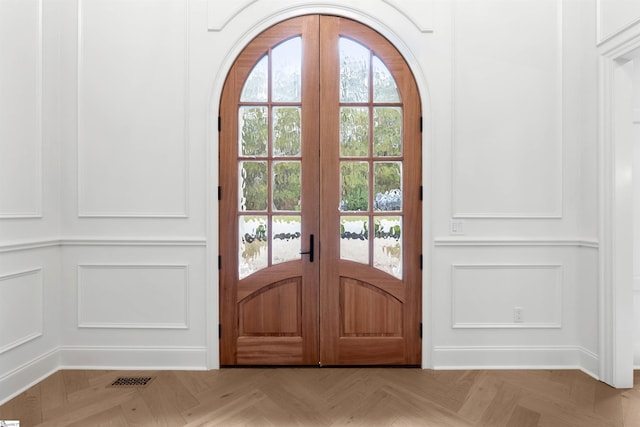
(320, 200)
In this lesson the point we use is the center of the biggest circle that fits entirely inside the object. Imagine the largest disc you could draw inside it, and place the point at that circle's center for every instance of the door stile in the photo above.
(310, 190)
(329, 193)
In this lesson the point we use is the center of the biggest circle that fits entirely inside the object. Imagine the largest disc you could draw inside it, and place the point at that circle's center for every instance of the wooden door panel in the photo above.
(273, 310)
(367, 310)
(370, 351)
(271, 351)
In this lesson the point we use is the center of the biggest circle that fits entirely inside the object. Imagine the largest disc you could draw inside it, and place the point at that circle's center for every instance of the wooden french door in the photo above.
(320, 200)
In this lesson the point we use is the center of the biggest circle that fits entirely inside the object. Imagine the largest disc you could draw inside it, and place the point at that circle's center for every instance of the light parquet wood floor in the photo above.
(327, 397)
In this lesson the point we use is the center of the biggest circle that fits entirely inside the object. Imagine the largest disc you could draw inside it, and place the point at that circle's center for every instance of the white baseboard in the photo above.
(515, 357)
(126, 358)
(20, 379)
(121, 358)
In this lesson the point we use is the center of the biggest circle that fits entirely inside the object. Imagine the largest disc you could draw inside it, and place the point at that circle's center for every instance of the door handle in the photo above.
(310, 251)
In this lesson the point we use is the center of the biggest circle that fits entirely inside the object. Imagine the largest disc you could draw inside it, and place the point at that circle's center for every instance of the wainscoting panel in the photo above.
(21, 109)
(132, 108)
(21, 311)
(507, 132)
(133, 296)
(487, 296)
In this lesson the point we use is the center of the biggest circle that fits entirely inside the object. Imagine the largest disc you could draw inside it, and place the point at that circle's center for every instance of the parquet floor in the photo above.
(327, 397)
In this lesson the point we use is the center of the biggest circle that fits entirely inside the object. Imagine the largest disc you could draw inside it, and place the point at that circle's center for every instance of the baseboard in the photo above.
(140, 358)
(515, 357)
(20, 379)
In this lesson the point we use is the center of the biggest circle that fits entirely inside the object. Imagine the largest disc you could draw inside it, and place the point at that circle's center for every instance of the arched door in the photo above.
(320, 199)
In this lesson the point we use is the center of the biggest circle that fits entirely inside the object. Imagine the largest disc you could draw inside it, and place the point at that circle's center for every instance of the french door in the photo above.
(320, 200)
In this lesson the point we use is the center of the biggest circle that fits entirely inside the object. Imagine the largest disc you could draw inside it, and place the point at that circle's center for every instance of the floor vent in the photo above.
(124, 382)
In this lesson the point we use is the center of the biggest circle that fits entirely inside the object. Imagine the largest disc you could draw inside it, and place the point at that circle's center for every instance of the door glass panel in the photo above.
(286, 131)
(387, 245)
(354, 238)
(286, 238)
(387, 131)
(354, 71)
(253, 253)
(255, 87)
(287, 186)
(387, 186)
(354, 131)
(384, 85)
(253, 186)
(286, 71)
(253, 131)
(354, 177)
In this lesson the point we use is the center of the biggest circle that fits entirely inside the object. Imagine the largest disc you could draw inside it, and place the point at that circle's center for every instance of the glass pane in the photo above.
(255, 87)
(253, 186)
(387, 186)
(286, 131)
(387, 131)
(354, 71)
(354, 177)
(286, 69)
(354, 238)
(354, 131)
(287, 186)
(253, 128)
(387, 245)
(286, 238)
(384, 85)
(253, 253)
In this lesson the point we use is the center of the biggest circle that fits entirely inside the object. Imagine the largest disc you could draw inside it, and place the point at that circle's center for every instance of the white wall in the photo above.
(134, 179)
(509, 100)
(29, 194)
(512, 148)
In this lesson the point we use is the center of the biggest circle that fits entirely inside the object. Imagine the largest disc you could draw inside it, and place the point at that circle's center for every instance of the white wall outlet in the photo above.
(456, 226)
(517, 315)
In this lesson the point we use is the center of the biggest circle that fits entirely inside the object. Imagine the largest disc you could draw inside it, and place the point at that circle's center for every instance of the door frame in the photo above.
(258, 24)
(615, 200)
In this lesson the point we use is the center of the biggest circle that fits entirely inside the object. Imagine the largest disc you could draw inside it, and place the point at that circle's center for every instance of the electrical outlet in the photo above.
(517, 315)
(456, 226)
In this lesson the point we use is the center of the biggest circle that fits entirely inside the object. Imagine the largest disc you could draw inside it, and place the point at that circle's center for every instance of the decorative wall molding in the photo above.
(554, 294)
(83, 211)
(37, 211)
(26, 245)
(133, 241)
(423, 20)
(557, 212)
(601, 36)
(454, 242)
(220, 12)
(515, 357)
(35, 314)
(88, 304)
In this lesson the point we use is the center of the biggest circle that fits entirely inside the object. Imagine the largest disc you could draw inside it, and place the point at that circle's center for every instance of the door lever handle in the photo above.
(310, 251)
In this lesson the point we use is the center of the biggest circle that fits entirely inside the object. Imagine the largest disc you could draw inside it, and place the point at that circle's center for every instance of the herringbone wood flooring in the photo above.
(327, 397)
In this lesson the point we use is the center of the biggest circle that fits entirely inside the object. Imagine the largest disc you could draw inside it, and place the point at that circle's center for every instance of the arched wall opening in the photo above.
(397, 29)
